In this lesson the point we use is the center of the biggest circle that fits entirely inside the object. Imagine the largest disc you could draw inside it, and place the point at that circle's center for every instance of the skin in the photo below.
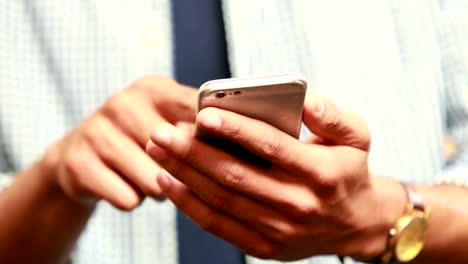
(103, 158)
(319, 197)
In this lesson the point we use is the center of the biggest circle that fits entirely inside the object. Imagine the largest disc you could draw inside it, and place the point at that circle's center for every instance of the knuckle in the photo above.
(148, 190)
(181, 203)
(98, 135)
(222, 200)
(360, 130)
(175, 169)
(74, 167)
(327, 194)
(302, 210)
(143, 86)
(366, 136)
(52, 157)
(93, 130)
(366, 139)
(233, 130)
(73, 164)
(329, 191)
(115, 104)
(188, 150)
(209, 223)
(328, 180)
(151, 189)
(328, 183)
(332, 120)
(286, 234)
(266, 250)
(148, 83)
(231, 174)
(126, 111)
(272, 146)
(121, 104)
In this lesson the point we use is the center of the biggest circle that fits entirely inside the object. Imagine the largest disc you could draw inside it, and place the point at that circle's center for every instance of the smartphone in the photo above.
(277, 100)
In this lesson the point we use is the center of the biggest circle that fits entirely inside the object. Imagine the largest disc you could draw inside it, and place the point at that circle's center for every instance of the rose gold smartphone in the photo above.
(277, 100)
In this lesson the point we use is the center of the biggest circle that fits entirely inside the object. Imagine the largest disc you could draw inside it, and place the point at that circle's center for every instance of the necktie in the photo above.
(200, 55)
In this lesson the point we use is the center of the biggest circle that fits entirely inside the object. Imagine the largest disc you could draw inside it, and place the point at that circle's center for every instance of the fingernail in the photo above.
(210, 120)
(163, 179)
(162, 135)
(319, 107)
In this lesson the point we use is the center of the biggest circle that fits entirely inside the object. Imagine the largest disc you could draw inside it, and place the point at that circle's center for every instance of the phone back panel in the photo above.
(279, 105)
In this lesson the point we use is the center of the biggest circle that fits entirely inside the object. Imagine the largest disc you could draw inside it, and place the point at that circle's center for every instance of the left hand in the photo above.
(317, 198)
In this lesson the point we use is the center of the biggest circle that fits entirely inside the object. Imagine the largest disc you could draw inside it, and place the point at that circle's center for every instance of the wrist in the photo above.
(387, 203)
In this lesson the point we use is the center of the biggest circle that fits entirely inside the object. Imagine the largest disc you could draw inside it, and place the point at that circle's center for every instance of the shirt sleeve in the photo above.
(5, 180)
(453, 39)
(6, 170)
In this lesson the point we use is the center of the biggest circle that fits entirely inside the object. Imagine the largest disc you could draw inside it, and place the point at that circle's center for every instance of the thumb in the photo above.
(333, 125)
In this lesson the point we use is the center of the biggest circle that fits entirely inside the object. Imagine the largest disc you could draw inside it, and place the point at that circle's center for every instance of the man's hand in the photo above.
(317, 198)
(104, 157)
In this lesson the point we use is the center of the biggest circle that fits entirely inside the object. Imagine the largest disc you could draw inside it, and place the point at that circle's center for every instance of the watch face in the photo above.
(411, 239)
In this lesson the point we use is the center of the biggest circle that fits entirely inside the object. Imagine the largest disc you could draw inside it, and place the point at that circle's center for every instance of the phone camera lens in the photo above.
(237, 93)
(220, 94)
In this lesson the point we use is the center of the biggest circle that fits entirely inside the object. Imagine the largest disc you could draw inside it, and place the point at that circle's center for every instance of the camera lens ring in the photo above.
(220, 94)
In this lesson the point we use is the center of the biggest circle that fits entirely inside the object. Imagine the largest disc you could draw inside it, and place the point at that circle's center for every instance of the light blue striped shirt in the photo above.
(403, 65)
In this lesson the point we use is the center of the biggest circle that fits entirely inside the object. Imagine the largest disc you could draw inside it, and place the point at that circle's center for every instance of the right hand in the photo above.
(104, 156)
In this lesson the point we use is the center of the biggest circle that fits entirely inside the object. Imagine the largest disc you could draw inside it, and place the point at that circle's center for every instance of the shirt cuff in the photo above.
(5, 180)
(456, 175)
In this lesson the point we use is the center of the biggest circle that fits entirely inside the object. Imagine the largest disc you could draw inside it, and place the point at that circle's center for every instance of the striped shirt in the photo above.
(402, 65)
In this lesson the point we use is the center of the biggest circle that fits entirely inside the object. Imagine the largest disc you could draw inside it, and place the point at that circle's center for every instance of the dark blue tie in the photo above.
(200, 55)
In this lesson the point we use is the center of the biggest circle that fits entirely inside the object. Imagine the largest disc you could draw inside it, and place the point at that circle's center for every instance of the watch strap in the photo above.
(415, 201)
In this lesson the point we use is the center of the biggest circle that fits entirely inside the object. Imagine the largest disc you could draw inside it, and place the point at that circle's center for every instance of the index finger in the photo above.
(258, 137)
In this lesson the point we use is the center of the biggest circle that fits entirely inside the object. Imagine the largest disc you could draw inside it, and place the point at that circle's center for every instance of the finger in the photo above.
(180, 105)
(132, 113)
(314, 139)
(124, 155)
(168, 141)
(270, 185)
(265, 219)
(333, 125)
(156, 152)
(176, 103)
(86, 176)
(262, 139)
(187, 127)
(221, 225)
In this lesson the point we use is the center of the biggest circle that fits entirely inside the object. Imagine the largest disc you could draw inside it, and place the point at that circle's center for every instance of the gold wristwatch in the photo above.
(406, 238)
